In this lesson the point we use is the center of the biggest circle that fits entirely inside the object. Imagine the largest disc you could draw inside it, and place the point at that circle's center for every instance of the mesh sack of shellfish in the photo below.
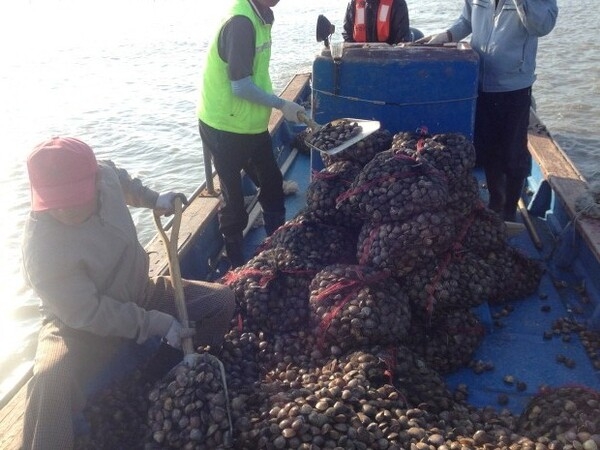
(363, 151)
(463, 194)
(416, 381)
(192, 409)
(447, 343)
(117, 415)
(517, 275)
(401, 246)
(452, 153)
(394, 186)
(324, 189)
(357, 306)
(567, 413)
(272, 291)
(311, 240)
(334, 133)
(481, 231)
(454, 280)
(239, 355)
(407, 141)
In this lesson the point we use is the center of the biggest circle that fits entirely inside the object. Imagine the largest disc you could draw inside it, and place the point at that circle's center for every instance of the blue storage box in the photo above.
(405, 87)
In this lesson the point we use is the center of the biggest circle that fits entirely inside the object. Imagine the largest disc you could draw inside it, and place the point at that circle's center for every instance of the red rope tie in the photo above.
(342, 285)
(324, 176)
(367, 245)
(335, 288)
(328, 318)
(263, 276)
(422, 131)
(430, 287)
(462, 234)
(378, 181)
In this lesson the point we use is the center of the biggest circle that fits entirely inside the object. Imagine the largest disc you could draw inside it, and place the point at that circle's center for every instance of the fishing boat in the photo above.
(528, 347)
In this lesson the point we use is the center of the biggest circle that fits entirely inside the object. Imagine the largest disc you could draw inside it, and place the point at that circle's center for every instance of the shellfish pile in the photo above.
(329, 353)
(323, 191)
(394, 186)
(356, 307)
(334, 134)
(191, 410)
(363, 151)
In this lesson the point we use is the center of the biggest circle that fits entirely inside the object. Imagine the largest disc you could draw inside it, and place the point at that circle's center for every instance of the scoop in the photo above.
(367, 127)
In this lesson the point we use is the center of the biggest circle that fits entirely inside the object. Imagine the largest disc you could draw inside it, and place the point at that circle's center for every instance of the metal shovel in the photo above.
(190, 356)
(367, 127)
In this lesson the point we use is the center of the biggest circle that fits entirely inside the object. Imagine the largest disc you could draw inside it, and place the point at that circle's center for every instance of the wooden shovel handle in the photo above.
(314, 126)
(187, 343)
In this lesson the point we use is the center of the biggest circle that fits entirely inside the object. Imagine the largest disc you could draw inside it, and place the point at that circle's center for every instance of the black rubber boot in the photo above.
(234, 247)
(496, 184)
(514, 189)
(273, 220)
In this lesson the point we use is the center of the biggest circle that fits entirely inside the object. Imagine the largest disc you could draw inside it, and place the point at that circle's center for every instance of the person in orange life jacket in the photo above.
(377, 21)
(82, 257)
(235, 104)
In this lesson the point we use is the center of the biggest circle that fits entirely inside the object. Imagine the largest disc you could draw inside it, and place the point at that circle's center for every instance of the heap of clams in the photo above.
(330, 351)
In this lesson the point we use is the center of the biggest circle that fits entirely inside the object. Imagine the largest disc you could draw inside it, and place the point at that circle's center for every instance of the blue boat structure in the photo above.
(430, 329)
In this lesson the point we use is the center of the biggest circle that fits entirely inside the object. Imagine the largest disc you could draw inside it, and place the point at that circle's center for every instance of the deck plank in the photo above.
(11, 421)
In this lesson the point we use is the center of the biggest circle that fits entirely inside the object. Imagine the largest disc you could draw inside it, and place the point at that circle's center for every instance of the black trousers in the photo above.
(501, 121)
(231, 153)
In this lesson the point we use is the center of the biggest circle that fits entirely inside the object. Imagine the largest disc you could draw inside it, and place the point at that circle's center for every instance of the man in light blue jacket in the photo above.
(505, 35)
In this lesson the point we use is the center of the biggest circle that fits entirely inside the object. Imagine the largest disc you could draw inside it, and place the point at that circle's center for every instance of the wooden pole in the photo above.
(529, 224)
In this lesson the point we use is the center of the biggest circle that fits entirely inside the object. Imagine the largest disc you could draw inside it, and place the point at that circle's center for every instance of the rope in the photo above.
(588, 203)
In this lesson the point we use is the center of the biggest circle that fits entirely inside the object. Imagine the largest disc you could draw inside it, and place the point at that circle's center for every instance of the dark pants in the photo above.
(70, 364)
(231, 153)
(501, 122)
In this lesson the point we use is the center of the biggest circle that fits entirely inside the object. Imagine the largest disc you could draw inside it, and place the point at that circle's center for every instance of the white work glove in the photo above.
(164, 203)
(173, 336)
(290, 111)
(176, 333)
(435, 39)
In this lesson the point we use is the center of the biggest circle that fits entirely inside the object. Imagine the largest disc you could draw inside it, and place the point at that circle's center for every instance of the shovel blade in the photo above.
(368, 127)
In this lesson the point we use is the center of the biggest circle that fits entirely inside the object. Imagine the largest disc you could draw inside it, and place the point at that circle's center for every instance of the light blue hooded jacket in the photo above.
(506, 39)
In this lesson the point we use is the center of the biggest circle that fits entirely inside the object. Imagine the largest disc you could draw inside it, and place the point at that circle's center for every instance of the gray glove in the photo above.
(173, 336)
(176, 333)
(290, 111)
(164, 203)
(435, 39)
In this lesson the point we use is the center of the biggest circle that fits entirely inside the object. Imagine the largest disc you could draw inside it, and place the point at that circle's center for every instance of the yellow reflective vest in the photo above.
(217, 106)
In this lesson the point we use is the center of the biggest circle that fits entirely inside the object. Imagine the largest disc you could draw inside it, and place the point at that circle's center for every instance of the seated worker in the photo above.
(377, 21)
(82, 257)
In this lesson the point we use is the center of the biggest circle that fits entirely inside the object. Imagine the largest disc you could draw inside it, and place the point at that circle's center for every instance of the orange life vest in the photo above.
(384, 13)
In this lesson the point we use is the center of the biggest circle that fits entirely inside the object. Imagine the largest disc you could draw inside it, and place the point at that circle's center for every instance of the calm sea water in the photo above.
(122, 76)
